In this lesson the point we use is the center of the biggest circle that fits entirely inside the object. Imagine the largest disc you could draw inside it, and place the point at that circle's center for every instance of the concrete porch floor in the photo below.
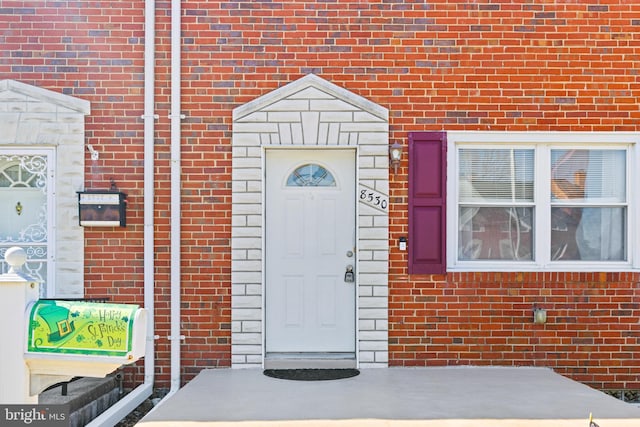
(402, 397)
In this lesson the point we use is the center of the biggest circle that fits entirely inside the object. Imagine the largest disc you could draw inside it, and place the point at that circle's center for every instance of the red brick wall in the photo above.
(591, 333)
(449, 65)
(94, 51)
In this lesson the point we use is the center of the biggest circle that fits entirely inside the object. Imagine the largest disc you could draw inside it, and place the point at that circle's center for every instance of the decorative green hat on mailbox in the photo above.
(97, 328)
(57, 319)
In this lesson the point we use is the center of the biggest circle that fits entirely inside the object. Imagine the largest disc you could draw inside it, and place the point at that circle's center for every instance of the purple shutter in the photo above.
(427, 202)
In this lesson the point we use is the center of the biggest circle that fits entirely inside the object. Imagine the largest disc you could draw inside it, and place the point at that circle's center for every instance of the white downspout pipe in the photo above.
(176, 117)
(131, 401)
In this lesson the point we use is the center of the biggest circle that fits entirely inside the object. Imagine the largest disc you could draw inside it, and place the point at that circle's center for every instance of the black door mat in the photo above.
(311, 374)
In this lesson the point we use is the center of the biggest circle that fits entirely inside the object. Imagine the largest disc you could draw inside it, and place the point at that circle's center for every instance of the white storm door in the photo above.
(26, 217)
(310, 239)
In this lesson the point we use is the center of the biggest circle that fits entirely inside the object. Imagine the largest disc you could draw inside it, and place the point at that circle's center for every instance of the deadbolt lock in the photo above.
(349, 275)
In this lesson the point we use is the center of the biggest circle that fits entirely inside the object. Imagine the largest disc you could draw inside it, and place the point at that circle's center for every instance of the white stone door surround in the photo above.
(309, 112)
(33, 118)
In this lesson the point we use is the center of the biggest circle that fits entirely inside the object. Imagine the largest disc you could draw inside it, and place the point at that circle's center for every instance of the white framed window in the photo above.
(541, 201)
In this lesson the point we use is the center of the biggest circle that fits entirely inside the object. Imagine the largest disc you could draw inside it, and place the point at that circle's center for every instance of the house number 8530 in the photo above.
(374, 198)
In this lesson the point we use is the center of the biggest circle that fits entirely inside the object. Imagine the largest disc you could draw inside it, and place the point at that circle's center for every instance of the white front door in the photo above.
(310, 242)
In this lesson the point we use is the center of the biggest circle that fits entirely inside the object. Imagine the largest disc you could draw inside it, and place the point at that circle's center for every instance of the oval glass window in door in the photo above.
(311, 175)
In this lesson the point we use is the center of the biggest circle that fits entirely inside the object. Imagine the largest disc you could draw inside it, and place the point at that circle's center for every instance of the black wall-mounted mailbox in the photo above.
(102, 208)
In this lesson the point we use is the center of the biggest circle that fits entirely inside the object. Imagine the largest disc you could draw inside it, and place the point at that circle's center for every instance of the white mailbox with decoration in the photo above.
(50, 341)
